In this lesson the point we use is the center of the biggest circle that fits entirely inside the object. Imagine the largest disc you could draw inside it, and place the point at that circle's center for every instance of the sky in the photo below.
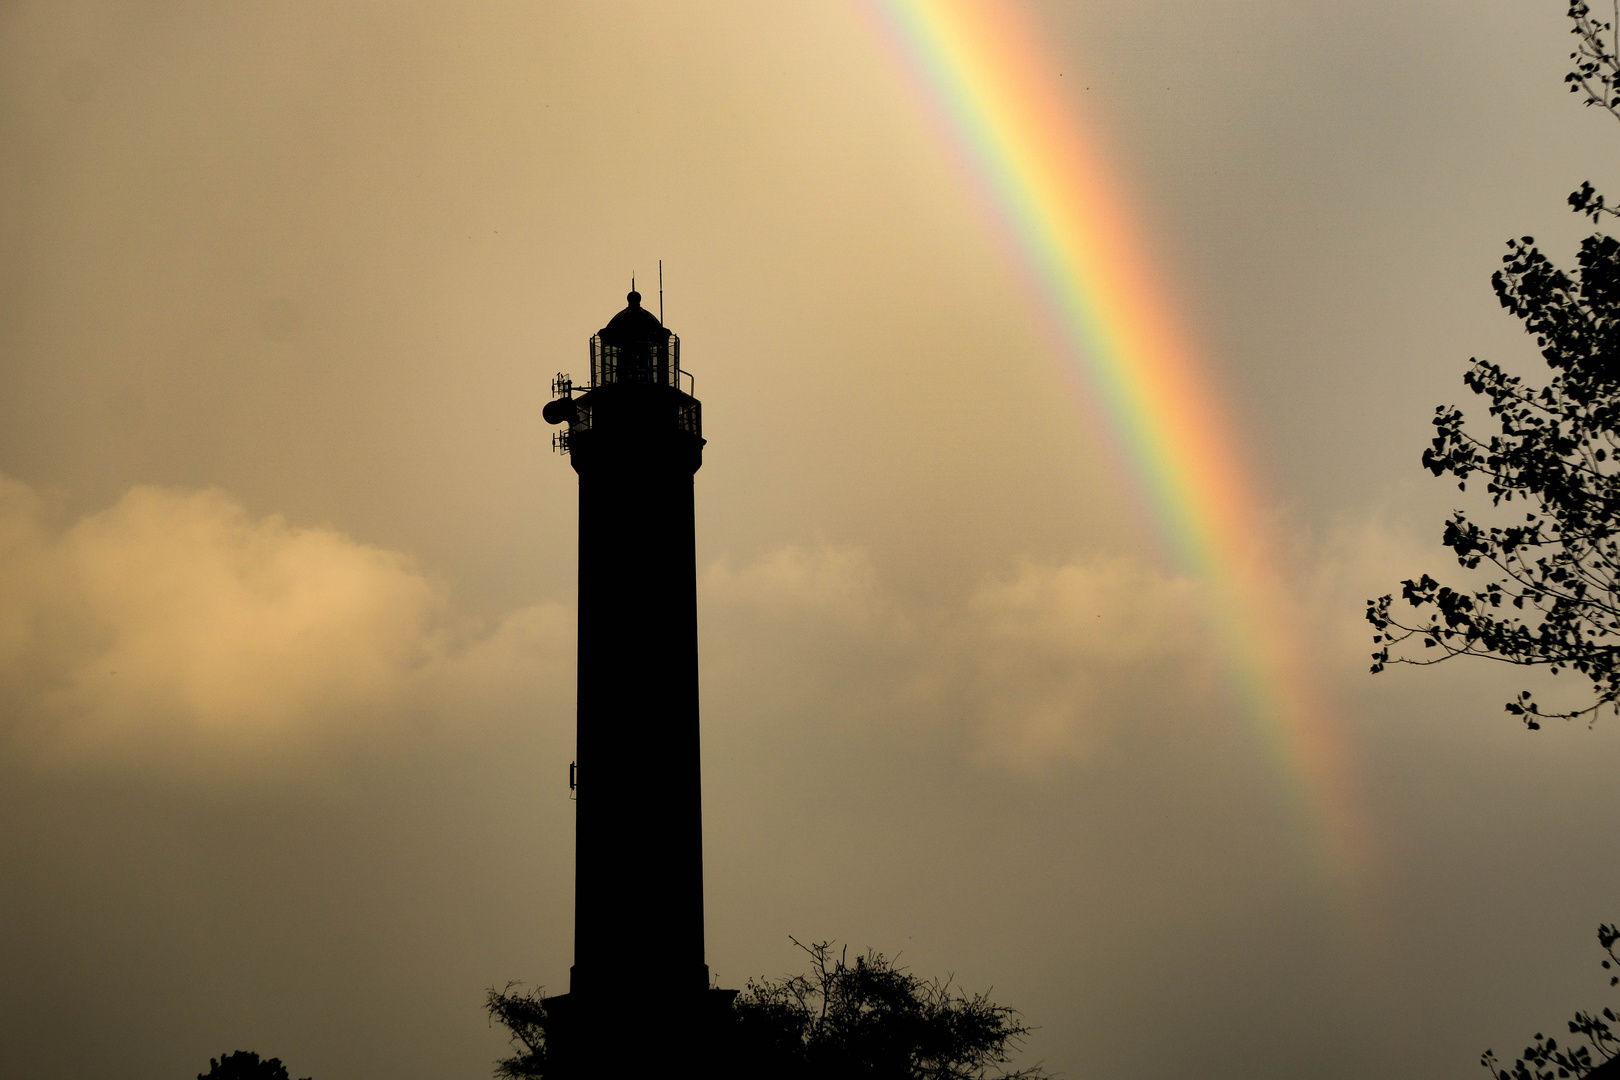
(287, 561)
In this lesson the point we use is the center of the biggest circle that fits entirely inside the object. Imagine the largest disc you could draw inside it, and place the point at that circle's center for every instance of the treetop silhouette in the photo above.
(244, 1065)
(866, 1019)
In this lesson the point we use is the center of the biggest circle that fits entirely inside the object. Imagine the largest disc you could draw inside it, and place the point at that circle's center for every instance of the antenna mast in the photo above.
(660, 292)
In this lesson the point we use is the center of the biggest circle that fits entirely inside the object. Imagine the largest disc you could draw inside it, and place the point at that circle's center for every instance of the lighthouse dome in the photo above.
(634, 324)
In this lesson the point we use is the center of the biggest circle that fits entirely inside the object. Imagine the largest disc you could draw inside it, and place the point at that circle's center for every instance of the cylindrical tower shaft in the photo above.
(639, 833)
(634, 437)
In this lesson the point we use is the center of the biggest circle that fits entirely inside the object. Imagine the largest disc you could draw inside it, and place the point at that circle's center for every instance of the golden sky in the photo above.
(287, 564)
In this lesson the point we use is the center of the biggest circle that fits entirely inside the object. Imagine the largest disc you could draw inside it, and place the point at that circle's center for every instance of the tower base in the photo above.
(636, 1030)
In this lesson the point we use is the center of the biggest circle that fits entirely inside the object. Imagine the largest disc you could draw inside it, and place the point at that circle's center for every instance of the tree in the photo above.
(244, 1065)
(871, 1019)
(523, 1013)
(866, 1020)
(1554, 597)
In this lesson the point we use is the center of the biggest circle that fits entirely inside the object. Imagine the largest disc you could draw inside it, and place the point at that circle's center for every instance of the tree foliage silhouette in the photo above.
(523, 1013)
(244, 1065)
(1598, 1046)
(1554, 600)
(866, 1020)
(872, 1019)
(1555, 597)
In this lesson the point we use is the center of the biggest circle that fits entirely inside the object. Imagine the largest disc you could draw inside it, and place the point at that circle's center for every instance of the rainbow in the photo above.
(981, 71)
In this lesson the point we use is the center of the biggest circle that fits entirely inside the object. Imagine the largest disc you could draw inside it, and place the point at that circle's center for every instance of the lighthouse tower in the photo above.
(635, 438)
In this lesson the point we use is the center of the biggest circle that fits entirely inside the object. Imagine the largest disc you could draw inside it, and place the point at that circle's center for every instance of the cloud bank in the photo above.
(175, 621)
(1030, 669)
(177, 625)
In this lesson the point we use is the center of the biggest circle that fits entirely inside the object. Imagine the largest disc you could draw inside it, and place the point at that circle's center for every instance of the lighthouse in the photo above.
(635, 437)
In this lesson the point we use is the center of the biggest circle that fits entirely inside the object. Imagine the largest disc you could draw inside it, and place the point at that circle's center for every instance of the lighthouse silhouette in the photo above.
(639, 982)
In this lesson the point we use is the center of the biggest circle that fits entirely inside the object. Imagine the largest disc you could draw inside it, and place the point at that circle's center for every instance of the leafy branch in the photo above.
(1554, 600)
(1546, 1060)
(1596, 74)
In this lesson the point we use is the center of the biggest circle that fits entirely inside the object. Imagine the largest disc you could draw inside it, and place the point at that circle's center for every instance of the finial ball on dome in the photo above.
(634, 298)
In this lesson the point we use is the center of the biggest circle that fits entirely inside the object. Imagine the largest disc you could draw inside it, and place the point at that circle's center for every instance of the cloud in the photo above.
(176, 626)
(175, 621)
(831, 583)
(1041, 665)
(1028, 670)
(1060, 655)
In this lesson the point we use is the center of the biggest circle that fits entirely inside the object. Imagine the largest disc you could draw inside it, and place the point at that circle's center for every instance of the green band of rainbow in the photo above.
(988, 79)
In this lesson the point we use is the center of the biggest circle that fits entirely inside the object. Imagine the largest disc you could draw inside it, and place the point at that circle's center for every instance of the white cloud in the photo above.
(175, 621)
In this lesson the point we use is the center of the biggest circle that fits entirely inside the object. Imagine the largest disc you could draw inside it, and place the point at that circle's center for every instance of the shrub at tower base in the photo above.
(865, 1018)
(244, 1065)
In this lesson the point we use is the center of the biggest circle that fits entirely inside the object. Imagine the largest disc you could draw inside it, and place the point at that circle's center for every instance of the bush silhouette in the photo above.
(244, 1065)
(872, 1019)
(865, 1019)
